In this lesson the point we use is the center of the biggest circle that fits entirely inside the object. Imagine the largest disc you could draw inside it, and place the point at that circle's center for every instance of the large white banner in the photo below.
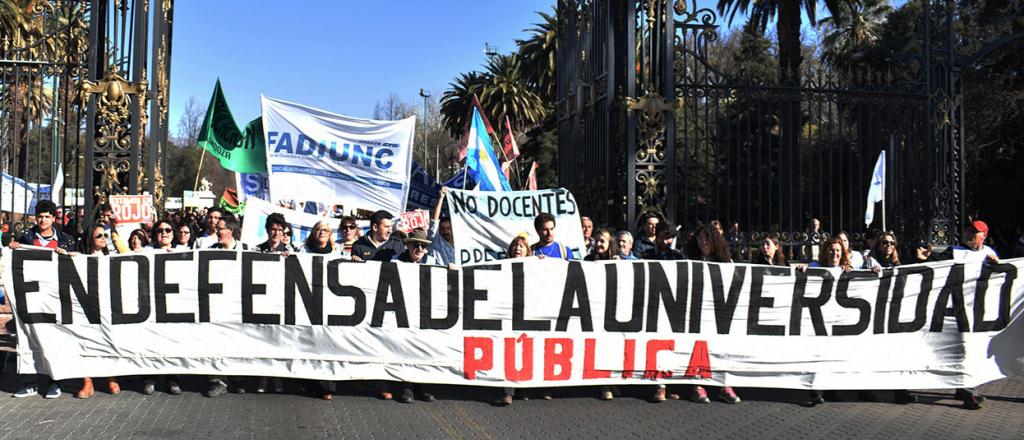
(254, 225)
(255, 186)
(20, 197)
(527, 322)
(485, 222)
(335, 159)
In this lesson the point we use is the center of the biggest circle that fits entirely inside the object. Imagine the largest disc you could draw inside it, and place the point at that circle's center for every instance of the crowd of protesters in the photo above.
(657, 239)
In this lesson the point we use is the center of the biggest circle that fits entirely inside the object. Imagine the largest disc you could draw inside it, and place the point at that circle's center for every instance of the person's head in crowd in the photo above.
(718, 225)
(734, 228)
(604, 246)
(320, 237)
(845, 238)
(138, 239)
(212, 217)
(884, 250)
(665, 235)
(416, 244)
(814, 226)
(380, 226)
(707, 243)
(544, 223)
(185, 235)
(649, 225)
(975, 235)
(228, 231)
(46, 214)
(871, 237)
(625, 242)
(286, 236)
(834, 254)
(444, 228)
(275, 227)
(349, 229)
(94, 241)
(104, 212)
(588, 228)
(772, 251)
(163, 234)
(519, 247)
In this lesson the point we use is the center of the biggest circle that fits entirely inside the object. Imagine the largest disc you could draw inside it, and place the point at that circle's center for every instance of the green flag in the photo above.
(237, 151)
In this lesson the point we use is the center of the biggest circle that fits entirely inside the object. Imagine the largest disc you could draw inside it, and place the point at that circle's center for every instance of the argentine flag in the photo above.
(876, 190)
(480, 159)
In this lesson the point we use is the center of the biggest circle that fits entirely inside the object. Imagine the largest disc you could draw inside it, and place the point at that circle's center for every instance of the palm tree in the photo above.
(539, 53)
(458, 100)
(507, 93)
(788, 25)
(853, 30)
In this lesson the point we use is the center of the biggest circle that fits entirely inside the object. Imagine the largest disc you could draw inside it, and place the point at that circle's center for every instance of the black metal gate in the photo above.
(649, 123)
(79, 80)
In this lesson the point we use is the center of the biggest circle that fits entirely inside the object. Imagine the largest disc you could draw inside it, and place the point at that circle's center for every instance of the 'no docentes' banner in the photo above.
(525, 322)
(484, 222)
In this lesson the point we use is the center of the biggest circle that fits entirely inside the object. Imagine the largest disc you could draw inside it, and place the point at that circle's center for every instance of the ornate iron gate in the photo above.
(77, 80)
(649, 123)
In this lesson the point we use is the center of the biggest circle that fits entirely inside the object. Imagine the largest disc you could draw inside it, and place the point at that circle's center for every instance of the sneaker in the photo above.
(729, 396)
(407, 396)
(547, 395)
(216, 389)
(699, 395)
(278, 385)
(659, 395)
(606, 393)
(972, 402)
(26, 392)
(506, 400)
(174, 390)
(53, 392)
(148, 389)
(264, 384)
(238, 388)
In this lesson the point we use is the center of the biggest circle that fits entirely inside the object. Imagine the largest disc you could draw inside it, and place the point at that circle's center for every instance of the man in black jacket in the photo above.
(378, 245)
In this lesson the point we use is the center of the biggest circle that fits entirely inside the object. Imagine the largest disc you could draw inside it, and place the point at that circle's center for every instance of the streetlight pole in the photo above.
(426, 95)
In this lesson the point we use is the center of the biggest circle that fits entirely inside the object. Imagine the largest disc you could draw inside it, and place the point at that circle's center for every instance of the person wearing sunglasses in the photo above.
(349, 234)
(416, 245)
(162, 237)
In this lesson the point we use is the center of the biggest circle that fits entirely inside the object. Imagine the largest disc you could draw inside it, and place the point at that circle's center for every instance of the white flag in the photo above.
(876, 190)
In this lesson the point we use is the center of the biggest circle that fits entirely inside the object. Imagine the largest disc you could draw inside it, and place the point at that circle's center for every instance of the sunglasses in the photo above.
(99, 236)
(165, 230)
(420, 245)
(347, 227)
(889, 242)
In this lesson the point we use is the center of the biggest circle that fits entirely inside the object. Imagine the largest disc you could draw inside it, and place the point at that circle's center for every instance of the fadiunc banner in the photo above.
(485, 222)
(335, 159)
(520, 323)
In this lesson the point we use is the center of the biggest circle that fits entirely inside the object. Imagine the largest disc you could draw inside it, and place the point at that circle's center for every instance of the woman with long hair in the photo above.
(604, 247)
(708, 244)
(95, 243)
(771, 253)
(833, 254)
(138, 240)
(185, 235)
(321, 240)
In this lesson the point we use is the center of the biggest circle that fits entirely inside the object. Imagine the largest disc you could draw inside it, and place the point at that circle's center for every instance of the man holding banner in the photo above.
(378, 245)
(547, 246)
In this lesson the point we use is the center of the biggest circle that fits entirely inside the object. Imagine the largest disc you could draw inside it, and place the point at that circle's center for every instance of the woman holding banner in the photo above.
(138, 240)
(184, 235)
(163, 241)
(708, 244)
(832, 254)
(771, 253)
(604, 248)
(320, 242)
(95, 243)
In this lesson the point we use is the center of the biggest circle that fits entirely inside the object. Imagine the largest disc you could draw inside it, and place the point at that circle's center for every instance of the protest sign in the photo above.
(415, 220)
(521, 323)
(19, 197)
(252, 185)
(132, 208)
(484, 222)
(335, 159)
(254, 229)
(424, 191)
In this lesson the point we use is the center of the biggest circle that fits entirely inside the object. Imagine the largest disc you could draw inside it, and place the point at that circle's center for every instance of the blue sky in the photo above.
(342, 55)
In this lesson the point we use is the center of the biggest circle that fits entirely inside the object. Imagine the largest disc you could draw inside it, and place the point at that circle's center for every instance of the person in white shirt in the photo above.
(974, 248)
(441, 250)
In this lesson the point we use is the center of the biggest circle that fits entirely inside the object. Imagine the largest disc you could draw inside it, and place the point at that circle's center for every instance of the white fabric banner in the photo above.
(485, 222)
(335, 159)
(19, 197)
(254, 225)
(527, 322)
(255, 186)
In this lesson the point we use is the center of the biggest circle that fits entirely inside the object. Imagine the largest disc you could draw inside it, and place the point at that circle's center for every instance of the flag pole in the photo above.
(200, 170)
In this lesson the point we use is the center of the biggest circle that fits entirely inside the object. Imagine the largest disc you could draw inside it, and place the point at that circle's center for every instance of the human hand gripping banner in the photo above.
(335, 159)
(484, 222)
(519, 323)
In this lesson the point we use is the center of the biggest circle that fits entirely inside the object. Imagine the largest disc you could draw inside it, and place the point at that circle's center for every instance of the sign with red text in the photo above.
(132, 208)
(519, 323)
(418, 219)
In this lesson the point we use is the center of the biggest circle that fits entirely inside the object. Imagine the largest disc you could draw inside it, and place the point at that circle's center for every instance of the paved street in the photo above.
(468, 413)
